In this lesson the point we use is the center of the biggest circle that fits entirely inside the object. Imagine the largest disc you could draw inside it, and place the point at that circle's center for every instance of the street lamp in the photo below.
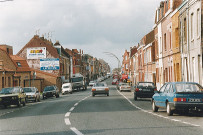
(119, 63)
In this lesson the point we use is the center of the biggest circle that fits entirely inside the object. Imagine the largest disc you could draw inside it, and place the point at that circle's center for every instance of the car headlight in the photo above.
(14, 98)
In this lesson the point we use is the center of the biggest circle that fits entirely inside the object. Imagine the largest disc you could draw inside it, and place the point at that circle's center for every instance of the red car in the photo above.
(115, 81)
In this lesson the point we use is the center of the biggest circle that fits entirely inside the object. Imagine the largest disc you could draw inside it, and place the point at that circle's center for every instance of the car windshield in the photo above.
(9, 90)
(188, 87)
(99, 85)
(146, 84)
(27, 90)
(67, 86)
(91, 81)
(49, 88)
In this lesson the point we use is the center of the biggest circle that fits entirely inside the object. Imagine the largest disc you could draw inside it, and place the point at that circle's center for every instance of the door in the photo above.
(158, 96)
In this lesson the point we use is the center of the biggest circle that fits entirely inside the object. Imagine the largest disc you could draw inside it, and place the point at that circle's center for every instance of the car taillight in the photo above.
(106, 89)
(137, 89)
(179, 99)
(93, 89)
(155, 89)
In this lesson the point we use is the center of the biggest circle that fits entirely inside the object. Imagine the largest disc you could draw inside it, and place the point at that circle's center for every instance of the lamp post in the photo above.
(119, 63)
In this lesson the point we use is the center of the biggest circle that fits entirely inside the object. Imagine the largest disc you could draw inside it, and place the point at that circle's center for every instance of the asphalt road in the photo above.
(79, 113)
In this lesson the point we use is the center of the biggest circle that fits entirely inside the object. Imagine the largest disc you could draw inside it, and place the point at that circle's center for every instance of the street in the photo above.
(79, 113)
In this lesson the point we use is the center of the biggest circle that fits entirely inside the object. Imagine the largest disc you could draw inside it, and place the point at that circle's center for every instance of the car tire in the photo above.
(19, 103)
(154, 107)
(107, 94)
(24, 103)
(168, 110)
(135, 97)
(93, 94)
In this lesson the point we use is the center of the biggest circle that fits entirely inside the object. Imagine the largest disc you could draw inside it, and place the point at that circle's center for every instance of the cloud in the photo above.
(93, 25)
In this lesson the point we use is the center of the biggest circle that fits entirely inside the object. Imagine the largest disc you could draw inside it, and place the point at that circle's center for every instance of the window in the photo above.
(176, 37)
(198, 22)
(18, 64)
(192, 25)
(163, 88)
(165, 41)
(185, 30)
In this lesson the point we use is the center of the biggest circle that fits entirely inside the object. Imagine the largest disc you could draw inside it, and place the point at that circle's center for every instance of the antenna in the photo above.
(37, 32)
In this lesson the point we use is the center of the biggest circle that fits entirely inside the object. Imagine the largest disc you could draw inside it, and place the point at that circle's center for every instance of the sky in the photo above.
(94, 26)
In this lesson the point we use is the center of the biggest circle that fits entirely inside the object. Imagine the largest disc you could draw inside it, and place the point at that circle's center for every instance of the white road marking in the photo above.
(155, 113)
(76, 131)
(67, 121)
(72, 109)
(67, 114)
(76, 104)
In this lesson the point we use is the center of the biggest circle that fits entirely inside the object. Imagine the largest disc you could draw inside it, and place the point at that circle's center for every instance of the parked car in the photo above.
(91, 83)
(50, 91)
(115, 81)
(144, 90)
(100, 88)
(124, 87)
(178, 96)
(12, 96)
(32, 94)
(67, 88)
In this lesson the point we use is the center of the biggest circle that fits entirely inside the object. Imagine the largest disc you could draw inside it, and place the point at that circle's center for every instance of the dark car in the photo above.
(50, 91)
(144, 90)
(178, 96)
(12, 96)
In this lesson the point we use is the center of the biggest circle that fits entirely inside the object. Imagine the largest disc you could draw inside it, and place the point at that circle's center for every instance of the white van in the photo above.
(67, 88)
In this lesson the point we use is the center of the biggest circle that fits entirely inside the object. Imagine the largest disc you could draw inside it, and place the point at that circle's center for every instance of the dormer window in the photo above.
(18, 64)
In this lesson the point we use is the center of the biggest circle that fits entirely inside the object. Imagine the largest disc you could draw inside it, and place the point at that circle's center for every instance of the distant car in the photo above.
(12, 96)
(115, 81)
(144, 90)
(32, 94)
(178, 96)
(124, 87)
(50, 91)
(100, 88)
(67, 88)
(91, 83)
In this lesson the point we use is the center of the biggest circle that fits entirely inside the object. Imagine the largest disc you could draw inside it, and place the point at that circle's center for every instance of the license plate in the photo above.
(146, 90)
(194, 100)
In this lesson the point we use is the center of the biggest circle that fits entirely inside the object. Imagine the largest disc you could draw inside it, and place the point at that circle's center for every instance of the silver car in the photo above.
(100, 88)
(32, 94)
(124, 87)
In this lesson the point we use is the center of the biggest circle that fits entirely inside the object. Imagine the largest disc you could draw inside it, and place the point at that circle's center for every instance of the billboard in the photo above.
(36, 53)
(49, 64)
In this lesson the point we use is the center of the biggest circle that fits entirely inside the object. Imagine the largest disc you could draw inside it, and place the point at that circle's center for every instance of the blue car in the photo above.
(178, 96)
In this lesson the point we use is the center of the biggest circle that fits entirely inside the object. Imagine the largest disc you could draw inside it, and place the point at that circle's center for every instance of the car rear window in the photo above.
(188, 87)
(146, 84)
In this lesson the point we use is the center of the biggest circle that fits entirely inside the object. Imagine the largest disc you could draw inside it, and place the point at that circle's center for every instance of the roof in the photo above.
(133, 50)
(23, 63)
(36, 41)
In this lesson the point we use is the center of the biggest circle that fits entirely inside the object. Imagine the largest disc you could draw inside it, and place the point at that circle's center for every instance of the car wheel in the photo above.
(107, 94)
(135, 97)
(93, 94)
(168, 110)
(24, 103)
(19, 103)
(154, 107)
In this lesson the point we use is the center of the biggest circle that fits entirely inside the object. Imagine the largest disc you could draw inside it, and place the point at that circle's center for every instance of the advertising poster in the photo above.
(36, 53)
(49, 64)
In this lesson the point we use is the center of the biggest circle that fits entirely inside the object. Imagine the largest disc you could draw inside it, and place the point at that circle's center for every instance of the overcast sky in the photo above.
(95, 26)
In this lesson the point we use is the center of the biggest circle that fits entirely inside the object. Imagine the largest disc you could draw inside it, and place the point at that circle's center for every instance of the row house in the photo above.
(14, 71)
(172, 52)
(126, 66)
(133, 65)
(48, 61)
(191, 25)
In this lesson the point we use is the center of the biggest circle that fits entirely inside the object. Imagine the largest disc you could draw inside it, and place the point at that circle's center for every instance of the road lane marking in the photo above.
(76, 131)
(72, 109)
(67, 121)
(187, 123)
(67, 114)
